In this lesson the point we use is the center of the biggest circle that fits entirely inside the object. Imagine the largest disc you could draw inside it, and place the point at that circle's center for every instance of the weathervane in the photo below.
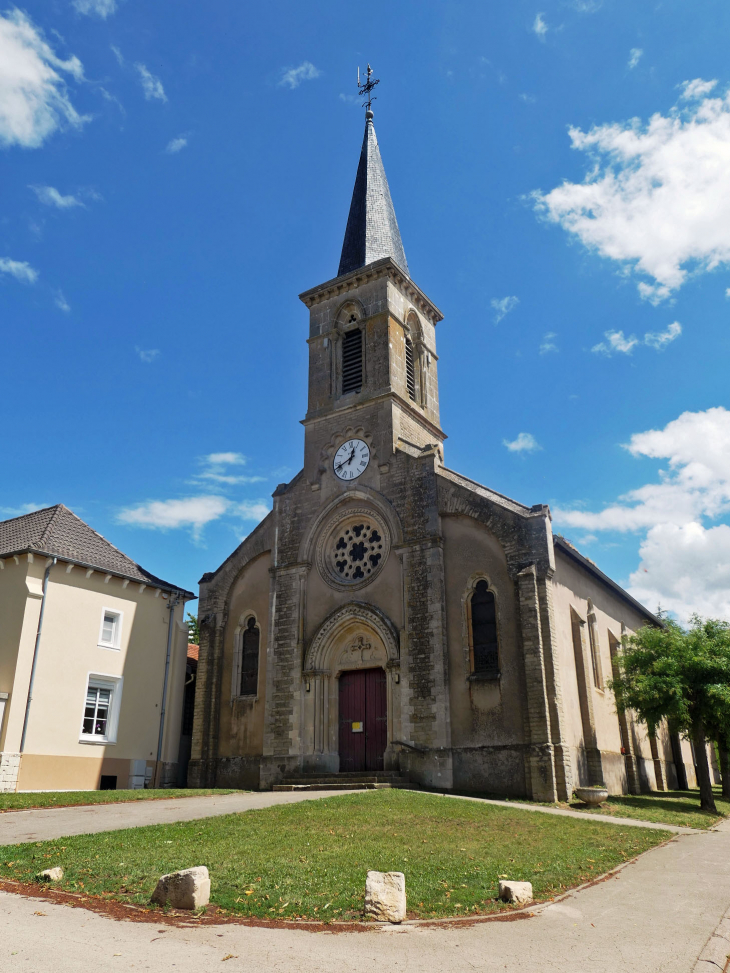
(367, 88)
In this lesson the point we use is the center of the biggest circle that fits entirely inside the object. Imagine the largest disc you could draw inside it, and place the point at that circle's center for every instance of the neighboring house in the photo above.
(390, 614)
(93, 651)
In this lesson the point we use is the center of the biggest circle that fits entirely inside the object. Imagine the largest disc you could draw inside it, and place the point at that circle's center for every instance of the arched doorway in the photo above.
(363, 719)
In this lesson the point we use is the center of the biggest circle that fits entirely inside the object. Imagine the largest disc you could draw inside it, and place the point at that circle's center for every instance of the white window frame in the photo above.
(101, 680)
(117, 641)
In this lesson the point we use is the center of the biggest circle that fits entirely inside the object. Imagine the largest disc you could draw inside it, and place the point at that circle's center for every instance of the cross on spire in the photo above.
(366, 88)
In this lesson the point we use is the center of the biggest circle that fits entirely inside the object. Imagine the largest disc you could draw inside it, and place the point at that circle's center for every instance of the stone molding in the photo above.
(318, 656)
(359, 494)
(386, 267)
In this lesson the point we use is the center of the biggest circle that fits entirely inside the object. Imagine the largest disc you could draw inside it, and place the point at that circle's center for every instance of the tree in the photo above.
(193, 629)
(681, 675)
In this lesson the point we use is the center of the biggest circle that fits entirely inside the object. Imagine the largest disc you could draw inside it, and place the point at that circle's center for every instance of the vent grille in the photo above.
(352, 361)
(410, 370)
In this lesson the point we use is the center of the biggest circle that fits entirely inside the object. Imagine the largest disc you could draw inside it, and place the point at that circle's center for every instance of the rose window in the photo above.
(352, 549)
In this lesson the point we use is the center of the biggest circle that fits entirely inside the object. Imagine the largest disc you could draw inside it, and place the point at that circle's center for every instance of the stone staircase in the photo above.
(350, 780)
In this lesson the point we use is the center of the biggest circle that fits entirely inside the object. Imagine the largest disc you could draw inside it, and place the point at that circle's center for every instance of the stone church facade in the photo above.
(392, 614)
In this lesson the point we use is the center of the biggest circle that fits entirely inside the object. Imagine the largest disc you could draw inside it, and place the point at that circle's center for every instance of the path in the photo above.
(655, 916)
(43, 824)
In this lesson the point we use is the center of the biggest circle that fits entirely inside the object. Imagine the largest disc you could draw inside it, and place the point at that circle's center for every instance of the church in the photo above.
(391, 620)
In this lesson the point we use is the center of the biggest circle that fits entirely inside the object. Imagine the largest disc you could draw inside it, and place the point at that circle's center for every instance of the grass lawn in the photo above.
(664, 807)
(21, 802)
(309, 860)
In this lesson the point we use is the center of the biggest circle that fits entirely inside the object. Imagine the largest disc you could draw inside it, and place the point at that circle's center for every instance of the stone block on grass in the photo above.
(51, 874)
(519, 893)
(187, 889)
(385, 896)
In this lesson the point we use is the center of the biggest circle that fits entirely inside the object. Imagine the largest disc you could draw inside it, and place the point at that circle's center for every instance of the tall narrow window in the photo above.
(485, 645)
(250, 658)
(595, 652)
(410, 370)
(352, 361)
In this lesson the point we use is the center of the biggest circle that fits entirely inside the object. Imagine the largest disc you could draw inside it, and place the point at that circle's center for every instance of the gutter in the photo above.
(172, 605)
(35, 652)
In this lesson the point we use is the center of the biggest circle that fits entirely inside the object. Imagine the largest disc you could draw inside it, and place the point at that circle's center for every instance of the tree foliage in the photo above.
(193, 629)
(681, 675)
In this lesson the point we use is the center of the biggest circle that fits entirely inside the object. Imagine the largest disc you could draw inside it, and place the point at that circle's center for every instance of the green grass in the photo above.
(662, 807)
(19, 802)
(309, 860)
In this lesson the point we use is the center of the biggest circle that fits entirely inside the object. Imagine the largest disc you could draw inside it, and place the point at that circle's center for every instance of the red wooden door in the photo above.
(363, 720)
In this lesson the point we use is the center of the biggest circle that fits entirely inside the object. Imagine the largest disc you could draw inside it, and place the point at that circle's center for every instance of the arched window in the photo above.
(352, 361)
(250, 658)
(485, 645)
(410, 370)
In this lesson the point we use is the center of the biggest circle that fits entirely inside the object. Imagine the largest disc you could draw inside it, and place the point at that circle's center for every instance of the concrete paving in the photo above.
(43, 824)
(655, 916)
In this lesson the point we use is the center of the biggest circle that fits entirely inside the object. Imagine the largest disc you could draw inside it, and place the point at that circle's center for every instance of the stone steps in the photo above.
(381, 780)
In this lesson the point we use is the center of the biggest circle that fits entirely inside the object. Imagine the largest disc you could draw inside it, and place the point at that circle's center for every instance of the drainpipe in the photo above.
(35, 652)
(171, 606)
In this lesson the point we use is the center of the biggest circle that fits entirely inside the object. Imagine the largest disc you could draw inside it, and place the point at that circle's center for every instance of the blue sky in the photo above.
(174, 174)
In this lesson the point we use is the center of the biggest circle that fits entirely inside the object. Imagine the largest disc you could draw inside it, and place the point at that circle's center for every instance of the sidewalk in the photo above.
(655, 916)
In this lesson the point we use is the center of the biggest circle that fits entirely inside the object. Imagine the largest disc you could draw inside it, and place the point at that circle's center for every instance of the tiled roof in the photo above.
(58, 532)
(372, 229)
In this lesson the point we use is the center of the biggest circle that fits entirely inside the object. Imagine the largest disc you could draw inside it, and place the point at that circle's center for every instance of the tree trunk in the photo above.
(707, 799)
(724, 769)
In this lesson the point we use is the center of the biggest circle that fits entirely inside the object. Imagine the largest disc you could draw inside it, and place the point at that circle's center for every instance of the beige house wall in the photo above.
(54, 756)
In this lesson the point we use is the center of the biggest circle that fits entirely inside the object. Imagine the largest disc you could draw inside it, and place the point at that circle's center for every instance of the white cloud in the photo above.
(635, 55)
(293, 77)
(60, 301)
(697, 89)
(52, 197)
(118, 55)
(727, 292)
(34, 100)
(615, 341)
(660, 339)
(215, 469)
(102, 8)
(528, 99)
(147, 355)
(548, 344)
(539, 27)
(194, 512)
(151, 85)
(656, 198)
(24, 508)
(502, 306)
(525, 443)
(685, 564)
(175, 145)
(252, 509)
(18, 269)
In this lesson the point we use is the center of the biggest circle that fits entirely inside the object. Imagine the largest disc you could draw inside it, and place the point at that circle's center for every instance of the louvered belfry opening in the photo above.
(352, 361)
(410, 370)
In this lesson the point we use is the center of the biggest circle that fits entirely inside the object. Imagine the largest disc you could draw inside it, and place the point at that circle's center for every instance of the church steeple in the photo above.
(372, 229)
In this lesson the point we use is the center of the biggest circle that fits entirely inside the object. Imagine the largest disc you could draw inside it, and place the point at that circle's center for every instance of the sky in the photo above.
(173, 175)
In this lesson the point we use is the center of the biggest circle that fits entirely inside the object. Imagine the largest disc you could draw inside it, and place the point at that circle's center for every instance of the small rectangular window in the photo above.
(352, 361)
(111, 626)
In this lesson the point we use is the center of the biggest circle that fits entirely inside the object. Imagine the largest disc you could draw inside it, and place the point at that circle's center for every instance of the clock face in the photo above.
(351, 459)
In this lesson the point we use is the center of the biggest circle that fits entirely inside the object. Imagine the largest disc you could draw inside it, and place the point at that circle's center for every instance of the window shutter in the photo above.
(352, 361)
(410, 370)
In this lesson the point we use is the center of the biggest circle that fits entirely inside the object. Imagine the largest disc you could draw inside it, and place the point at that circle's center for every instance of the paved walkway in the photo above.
(656, 916)
(43, 824)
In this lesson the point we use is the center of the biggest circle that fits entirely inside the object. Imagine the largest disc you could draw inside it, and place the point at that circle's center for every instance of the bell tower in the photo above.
(372, 338)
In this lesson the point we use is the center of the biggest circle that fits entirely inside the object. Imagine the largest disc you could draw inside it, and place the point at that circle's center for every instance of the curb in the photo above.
(714, 957)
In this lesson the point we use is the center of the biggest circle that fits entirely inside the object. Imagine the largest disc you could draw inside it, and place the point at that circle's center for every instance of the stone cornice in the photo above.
(386, 267)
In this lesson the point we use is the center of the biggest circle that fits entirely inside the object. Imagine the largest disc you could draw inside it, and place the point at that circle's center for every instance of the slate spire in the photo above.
(372, 229)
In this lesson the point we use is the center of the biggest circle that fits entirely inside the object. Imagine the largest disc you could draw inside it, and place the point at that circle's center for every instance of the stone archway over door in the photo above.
(363, 720)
